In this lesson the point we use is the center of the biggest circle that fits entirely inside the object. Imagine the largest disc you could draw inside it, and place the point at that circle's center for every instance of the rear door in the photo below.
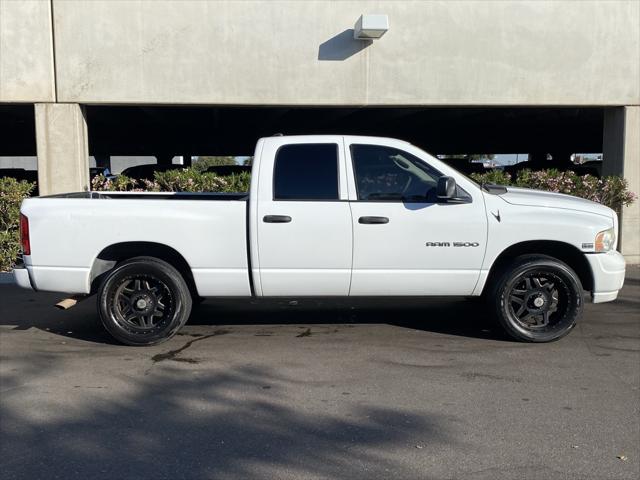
(304, 238)
(405, 242)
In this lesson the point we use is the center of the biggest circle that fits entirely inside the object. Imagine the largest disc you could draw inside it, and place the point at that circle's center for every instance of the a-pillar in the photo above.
(621, 156)
(62, 146)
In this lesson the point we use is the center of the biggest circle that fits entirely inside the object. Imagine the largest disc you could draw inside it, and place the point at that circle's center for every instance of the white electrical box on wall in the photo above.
(370, 27)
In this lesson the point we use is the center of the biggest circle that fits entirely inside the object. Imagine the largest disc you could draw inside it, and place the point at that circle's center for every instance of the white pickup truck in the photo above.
(330, 216)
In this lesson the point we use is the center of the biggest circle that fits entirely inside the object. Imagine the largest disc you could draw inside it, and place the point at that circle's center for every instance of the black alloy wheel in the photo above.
(537, 299)
(144, 301)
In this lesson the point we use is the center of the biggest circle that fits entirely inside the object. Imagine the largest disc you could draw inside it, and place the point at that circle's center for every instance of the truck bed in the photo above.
(210, 235)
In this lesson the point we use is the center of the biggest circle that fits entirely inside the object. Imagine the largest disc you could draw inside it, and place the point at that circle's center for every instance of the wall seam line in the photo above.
(53, 52)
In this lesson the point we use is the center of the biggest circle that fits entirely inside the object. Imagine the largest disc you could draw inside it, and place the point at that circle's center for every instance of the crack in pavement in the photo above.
(306, 333)
(171, 354)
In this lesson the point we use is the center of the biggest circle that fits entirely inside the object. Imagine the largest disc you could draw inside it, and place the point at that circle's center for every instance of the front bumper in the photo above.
(608, 271)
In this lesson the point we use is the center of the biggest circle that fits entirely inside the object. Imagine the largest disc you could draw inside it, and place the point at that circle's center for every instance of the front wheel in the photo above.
(144, 301)
(537, 299)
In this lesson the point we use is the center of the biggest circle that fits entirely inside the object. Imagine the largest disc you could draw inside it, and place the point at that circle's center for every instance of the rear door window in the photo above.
(306, 172)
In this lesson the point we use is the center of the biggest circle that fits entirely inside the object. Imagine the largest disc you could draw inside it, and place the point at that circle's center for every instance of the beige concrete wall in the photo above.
(631, 214)
(300, 52)
(63, 152)
(291, 52)
(621, 144)
(26, 51)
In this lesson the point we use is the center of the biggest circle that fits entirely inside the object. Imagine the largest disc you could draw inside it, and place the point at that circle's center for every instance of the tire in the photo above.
(144, 301)
(537, 299)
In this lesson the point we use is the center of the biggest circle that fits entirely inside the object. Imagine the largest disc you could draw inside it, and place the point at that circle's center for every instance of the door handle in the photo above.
(373, 220)
(276, 219)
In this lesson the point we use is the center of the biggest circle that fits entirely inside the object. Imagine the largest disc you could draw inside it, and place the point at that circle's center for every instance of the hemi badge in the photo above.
(587, 246)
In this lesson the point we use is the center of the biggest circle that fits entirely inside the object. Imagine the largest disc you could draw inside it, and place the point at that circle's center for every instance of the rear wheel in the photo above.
(537, 299)
(144, 301)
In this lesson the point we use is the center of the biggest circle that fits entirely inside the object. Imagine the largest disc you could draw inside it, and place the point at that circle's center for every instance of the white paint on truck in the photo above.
(68, 234)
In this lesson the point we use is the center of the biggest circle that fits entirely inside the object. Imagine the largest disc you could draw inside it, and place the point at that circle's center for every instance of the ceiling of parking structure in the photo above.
(17, 130)
(234, 130)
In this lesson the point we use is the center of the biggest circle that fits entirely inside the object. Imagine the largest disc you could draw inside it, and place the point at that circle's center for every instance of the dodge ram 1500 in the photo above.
(326, 216)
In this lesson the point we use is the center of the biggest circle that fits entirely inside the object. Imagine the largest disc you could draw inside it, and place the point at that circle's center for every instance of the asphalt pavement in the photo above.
(403, 389)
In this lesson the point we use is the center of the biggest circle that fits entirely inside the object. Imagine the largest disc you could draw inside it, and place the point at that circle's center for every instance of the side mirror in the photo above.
(446, 188)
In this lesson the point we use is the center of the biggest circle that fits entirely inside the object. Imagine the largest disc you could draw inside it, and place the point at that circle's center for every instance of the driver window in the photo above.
(389, 174)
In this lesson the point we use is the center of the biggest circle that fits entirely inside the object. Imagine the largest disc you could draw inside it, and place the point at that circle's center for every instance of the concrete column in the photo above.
(621, 156)
(63, 150)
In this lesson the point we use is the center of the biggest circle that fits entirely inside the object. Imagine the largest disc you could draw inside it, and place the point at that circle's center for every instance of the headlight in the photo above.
(605, 240)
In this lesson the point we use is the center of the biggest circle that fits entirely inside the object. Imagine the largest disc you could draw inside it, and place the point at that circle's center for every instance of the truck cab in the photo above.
(356, 216)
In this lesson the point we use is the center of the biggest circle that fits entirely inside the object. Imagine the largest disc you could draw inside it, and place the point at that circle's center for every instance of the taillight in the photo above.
(24, 235)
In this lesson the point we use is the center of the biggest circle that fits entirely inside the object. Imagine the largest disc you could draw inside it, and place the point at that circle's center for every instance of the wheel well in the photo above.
(108, 258)
(562, 251)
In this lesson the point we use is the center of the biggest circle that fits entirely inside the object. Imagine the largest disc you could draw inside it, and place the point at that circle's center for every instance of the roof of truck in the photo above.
(351, 137)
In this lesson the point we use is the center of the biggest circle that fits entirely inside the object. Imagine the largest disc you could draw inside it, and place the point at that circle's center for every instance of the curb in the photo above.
(6, 278)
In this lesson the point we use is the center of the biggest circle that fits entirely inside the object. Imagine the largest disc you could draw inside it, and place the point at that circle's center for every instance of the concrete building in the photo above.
(164, 78)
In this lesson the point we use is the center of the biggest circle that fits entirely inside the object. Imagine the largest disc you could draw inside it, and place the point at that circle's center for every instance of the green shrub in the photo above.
(12, 192)
(611, 191)
(492, 177)
(185, 180)
(202, 163)
(240, 182)
(121, 183)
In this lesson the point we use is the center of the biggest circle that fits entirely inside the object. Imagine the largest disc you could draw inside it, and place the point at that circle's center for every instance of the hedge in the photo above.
(185, 180)
(12, 192)
(612, 191)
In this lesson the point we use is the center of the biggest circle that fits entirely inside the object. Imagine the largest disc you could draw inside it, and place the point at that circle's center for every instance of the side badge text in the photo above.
(452, 244)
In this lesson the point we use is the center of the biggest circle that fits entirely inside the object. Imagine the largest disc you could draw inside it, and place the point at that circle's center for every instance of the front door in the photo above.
(304, 237)
(405, 242)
